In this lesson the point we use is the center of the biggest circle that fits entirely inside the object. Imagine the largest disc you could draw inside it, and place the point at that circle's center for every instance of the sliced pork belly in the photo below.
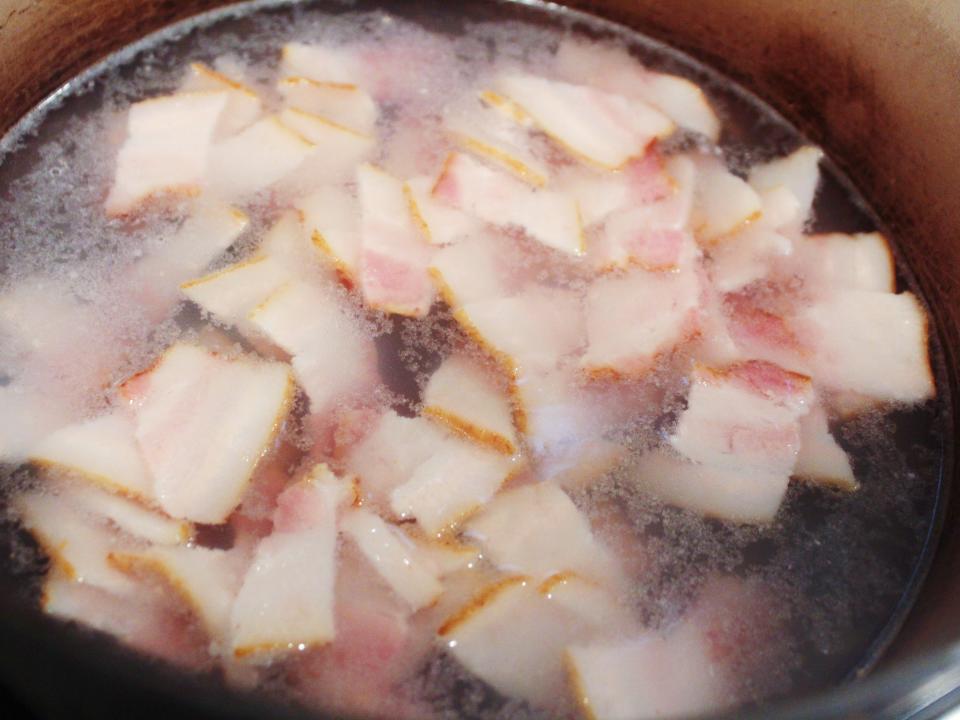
(633, 318)
(835, 261)
(798, 172)
(201, 438)
(454, 481)
(528, 332)
(391, 451)
(243, 104)
(409, 572)
(462, 395)
(474, 269)
(332, 358)
(747, 257)
(256, 158)
(102, 451)
(320, 63)
(487, 132)
(336, 152)
(77, 543)
(743, 495)
(599, 127)
(872, 343)
(440, 223)
(394, 257)
(648, 676)
(723, 203)
(167, 148)
(512, 634)
(614, 70)
(548, 216)
(232, 293)
(205, 580)
(821, 460)
(342, 103)
(330, 216)
(536, 530)
(287, 596)
(744, 418)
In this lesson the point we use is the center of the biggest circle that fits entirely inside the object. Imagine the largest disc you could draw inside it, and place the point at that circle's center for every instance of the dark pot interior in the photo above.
(874, 83)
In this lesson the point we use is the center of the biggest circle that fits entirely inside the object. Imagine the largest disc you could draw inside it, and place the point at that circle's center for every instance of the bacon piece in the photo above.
(408, 571)
(633, 318)
(463, 396)
(330, 216)
(335, 154)
(798, 172)
(342, 103)
(821, 460)
(834, 262)
(332, 358)
(547, 216)
(167, 148)
(394, 258)
(286, 599)
(600, 127)
(476, 268)
(439, 223)
(872, 343)
(243, 105)
(746, 257)
(200, 438)
(536, 530)
(723, 202)
(320, 63)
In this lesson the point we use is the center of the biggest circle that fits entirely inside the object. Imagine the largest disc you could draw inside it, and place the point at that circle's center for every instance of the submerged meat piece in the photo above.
(548, 216)
(603, 128)
(462, 395)
(320, 62)
(286, 599)
(872, 343)
(536, 530)
(200, 437)
(440, 223)
(799, 173)
(633, 318)
(243, 105)
(481, 267)
(821, 459)
(747, 257)
(330, 216)
(167, 148)
(342, 103)
(332, 358)
(394, 257)
(834, 261)
(102, 451)
(722, 203)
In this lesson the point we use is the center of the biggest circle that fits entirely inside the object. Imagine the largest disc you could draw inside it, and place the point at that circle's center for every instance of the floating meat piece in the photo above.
(394, 257)
(744, 495)
(332, 358)
(614, 70)
(633, 318)
(476, 268)
(167, 148)
(336, 152)
(440, 223)
(798, 172)
(243, 104)
(489, 133)
(320, 63)
(821, 459)
(330, 216)
(457, 479)
(723, 203)
(392, 450)
(538, 531)
(746, 257)
(256, 158)
(448, 556)
(342, 103)
(408, 571)
(512, 635)
(529, 332)
(600, 127)
(462, 395)
(548, 216)
(205, 580)
(834, 261)
(287, 596)
(200, 437)
(744, 418)
(102, 451)
(872, 343)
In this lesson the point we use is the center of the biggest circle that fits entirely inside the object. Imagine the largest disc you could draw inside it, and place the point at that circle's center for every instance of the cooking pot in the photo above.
(876, 84)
